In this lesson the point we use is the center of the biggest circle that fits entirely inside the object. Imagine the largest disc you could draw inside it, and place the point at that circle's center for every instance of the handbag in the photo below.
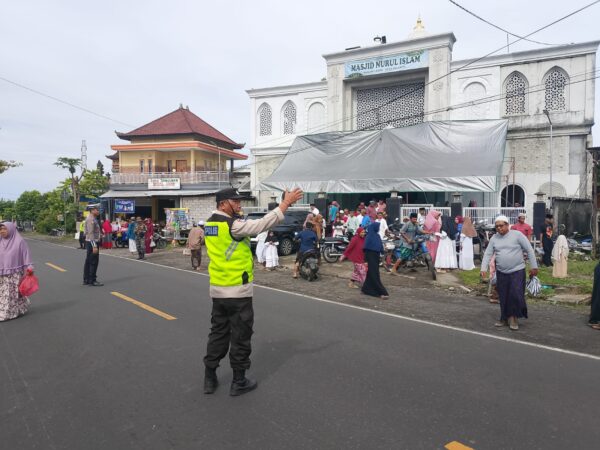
(29, 284)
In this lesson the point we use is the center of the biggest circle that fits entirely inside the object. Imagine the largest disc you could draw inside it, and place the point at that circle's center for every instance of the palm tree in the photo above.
(71, 165)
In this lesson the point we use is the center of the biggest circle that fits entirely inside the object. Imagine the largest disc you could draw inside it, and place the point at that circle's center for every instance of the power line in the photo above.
(64, 102)
(392, 100)
(496, 26)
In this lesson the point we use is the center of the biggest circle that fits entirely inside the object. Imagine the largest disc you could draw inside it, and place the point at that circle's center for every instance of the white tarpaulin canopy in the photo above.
(431, 157)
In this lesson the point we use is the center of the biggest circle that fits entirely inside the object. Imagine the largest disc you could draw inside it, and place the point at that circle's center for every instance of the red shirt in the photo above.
(524, 228)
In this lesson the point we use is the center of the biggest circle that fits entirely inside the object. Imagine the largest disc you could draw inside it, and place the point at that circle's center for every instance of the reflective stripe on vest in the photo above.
(231, 262)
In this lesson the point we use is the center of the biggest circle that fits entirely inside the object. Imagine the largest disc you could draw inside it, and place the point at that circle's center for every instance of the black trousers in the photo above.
(196, 256)
(232, 320)
(91, 263)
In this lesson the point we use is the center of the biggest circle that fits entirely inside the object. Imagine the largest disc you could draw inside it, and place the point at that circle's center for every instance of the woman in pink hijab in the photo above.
(14, 260)
(432, 225)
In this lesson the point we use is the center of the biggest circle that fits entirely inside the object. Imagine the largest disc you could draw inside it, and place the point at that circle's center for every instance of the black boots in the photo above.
(210, 380)
(240, 384)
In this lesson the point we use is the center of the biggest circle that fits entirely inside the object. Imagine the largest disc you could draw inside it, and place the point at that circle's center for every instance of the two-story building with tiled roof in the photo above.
(175, 161)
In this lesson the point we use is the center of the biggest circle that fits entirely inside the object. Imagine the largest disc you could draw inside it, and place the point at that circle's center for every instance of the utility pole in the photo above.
(550, 194)
(594, 152)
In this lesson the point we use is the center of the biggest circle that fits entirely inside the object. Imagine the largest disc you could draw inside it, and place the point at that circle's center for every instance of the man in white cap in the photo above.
(523, 227)
(508, 246)
(194, 243)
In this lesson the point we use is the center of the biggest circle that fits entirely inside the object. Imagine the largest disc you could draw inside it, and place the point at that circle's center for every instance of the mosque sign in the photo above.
(385, 64)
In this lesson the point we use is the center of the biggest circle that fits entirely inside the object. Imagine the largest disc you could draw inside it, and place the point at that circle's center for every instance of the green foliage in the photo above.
(28, 205)
(5, 165)
(70, 164)
(93, 183)
(7, 209)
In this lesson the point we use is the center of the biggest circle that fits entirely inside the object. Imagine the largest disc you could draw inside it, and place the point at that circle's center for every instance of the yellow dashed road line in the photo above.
(144, 306)
(60, 269)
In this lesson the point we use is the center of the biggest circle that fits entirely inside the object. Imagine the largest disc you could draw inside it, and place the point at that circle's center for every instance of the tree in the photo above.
(5, 165)
(28, 205)
(7, 209)
(93, 183)
(71, 165)
(100, 167)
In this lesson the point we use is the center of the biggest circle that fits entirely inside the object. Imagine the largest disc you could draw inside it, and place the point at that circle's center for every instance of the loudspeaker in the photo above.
(539, 216)
(456, 209)
(321, 204)
(393, 209)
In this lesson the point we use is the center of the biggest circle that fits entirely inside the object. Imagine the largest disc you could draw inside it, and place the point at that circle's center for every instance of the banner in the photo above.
(124, 206)
(164, 183)
(384, 64)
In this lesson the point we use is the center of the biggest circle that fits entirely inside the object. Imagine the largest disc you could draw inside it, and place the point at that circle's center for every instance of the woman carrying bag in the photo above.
(15, 261)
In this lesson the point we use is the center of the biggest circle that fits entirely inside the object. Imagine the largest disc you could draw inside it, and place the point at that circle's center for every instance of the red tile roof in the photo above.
(180, 122)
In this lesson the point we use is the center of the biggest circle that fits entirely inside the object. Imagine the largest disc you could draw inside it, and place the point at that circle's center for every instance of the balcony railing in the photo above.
(185, 177)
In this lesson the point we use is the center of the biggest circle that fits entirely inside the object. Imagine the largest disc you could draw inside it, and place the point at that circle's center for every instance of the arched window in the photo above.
(265, 120)
(512, 196)
(288, 115)
(316, 118)
(516, 94)
(555, 84)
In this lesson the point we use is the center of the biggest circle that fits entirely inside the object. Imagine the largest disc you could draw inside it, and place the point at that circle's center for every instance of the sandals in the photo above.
(494, 300)
(595, 326)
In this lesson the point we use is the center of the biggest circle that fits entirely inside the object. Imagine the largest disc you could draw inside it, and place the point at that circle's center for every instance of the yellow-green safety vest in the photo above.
(231, 261)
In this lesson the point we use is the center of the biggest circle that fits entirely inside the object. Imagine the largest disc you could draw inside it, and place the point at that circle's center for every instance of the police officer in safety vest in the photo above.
(227, 240)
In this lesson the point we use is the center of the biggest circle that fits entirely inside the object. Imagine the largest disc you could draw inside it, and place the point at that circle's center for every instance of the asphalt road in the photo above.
(88, 369)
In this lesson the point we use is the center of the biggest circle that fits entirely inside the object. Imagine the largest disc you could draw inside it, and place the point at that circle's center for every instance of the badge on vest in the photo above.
(211, 230)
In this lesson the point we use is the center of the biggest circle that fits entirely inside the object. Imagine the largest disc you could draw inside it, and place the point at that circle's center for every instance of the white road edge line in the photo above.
(361, 308)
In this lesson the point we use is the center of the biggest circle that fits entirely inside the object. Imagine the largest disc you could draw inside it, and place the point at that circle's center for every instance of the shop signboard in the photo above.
(164, 183)
(385, 64)
(124, 206)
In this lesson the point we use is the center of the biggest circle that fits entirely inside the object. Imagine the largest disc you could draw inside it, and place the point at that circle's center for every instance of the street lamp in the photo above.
(550, 121)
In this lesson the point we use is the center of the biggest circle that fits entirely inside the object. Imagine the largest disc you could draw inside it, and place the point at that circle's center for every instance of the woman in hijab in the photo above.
(373, 248)
(560, 255)
(271, 256)
(355, 253)
(318, 226)
(107, 238)
(446, 253)
(148, 236)
(467, 233)
(131, 235)
(14, 260)
(432, 225)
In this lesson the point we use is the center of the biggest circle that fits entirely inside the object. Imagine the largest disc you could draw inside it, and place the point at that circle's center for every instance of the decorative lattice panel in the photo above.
(289, 118)
(555, 85)
(397, 106)
(266, 120)
(516, 88)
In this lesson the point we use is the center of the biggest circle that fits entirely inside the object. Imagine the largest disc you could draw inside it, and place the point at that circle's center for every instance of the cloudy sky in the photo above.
(133, 61)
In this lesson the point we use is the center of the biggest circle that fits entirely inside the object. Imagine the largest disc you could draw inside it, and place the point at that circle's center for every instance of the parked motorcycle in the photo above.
(332, 248)
(485, 232)
(159, 240)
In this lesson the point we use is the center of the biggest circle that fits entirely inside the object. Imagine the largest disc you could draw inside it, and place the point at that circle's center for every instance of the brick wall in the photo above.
(200, 207)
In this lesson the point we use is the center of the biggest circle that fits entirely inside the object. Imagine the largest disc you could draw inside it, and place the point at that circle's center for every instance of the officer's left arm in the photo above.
(243, 228)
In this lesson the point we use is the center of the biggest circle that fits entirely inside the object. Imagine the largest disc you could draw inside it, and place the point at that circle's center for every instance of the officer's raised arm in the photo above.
(242, 228)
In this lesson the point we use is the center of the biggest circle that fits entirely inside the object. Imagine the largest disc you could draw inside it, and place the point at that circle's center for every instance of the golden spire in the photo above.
(419, 29)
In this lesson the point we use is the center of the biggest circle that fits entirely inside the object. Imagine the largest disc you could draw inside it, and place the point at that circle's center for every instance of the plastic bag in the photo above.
(534, 287)
(187, 252)
(152, 243)
(29, 285)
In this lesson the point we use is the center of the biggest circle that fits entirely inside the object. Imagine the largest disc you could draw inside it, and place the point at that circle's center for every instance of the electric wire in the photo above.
(64, 102)
(498, 27)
